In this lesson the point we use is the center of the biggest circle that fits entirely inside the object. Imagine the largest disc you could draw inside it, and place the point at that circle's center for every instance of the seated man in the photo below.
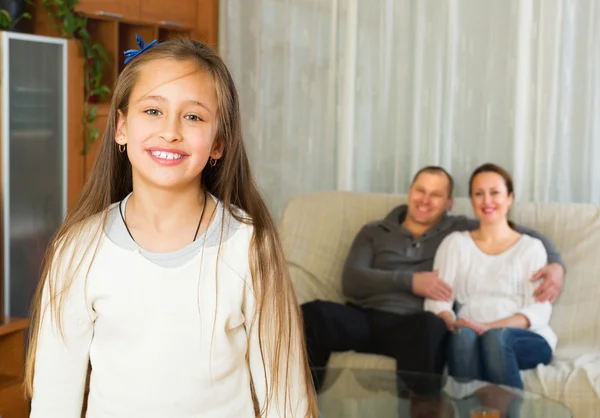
(387, 276)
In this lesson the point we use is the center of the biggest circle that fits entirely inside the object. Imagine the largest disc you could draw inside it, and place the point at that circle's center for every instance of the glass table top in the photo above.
(349, 393)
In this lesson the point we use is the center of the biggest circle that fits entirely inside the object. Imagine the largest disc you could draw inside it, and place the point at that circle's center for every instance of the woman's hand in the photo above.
(478, 327)
(449, 320)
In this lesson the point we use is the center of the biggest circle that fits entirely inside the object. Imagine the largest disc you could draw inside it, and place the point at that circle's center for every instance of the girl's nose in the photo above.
(171, 131)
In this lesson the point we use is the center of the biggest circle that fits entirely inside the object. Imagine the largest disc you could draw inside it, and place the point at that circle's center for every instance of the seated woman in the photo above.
(499, 328)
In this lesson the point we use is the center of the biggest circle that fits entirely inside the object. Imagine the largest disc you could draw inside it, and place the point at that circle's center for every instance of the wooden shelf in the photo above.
(10, 325)
(139, 22)
(114, 9)
(179, 14)
(183, 14)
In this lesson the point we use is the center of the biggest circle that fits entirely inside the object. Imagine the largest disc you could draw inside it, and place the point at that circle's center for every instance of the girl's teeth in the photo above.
(166, 155)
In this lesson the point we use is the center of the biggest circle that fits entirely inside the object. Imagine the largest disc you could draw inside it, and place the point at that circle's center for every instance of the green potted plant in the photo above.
(72, 24)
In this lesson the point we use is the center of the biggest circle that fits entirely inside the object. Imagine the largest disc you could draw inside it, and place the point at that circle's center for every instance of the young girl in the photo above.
(168, 277)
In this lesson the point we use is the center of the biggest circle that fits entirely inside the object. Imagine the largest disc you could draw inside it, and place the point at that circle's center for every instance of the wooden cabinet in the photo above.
(118, 9)
(183, 14)
(177, 14)
(75, 164)
(207, 26)
(13, 403)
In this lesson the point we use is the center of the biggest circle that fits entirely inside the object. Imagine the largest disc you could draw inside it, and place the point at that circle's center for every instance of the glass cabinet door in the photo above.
(34, 159)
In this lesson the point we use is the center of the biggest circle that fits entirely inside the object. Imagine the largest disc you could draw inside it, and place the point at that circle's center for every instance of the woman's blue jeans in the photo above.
(497, 356)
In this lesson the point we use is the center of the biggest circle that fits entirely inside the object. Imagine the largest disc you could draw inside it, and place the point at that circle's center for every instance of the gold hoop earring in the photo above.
(122, 147)
(212, 161)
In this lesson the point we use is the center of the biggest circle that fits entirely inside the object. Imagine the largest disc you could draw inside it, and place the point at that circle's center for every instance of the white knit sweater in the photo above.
(163, 342)
(492, 287)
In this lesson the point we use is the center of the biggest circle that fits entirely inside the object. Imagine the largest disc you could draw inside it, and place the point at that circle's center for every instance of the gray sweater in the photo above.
(384, 256)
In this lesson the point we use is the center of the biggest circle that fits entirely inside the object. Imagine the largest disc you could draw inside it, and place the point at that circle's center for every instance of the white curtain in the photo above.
(359, 94)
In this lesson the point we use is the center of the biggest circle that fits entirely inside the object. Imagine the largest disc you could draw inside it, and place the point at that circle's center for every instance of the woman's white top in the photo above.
(492, 287)
(162, 341)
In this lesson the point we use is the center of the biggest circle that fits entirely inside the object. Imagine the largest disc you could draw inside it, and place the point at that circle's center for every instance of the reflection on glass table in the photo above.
(353, 393)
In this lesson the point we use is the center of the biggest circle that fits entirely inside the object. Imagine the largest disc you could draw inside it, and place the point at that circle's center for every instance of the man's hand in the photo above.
(429, 285)
(479, 327)
(553, 276)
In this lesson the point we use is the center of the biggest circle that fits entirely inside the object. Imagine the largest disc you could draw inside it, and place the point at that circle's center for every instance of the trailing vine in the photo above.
(72, 24)
(7, 22)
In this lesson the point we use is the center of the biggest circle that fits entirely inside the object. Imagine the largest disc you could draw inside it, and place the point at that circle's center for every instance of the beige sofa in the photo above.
(317, 230)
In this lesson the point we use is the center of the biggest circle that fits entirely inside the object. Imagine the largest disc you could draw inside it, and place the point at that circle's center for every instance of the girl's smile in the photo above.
(166, 156)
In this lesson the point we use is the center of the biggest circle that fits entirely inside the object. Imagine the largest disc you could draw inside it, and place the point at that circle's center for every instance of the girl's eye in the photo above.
(153, 112)
(194, 118)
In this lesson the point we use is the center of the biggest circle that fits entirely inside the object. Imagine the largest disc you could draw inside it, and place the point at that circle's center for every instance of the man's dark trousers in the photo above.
(416, 341)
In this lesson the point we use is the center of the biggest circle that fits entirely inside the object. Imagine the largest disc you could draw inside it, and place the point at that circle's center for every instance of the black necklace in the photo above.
(197, 228)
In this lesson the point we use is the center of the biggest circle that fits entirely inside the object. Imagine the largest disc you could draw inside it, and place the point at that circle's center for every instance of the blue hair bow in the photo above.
(132, 53)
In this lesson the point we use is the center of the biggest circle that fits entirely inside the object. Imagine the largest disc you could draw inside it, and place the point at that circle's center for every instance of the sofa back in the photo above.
(317, 230)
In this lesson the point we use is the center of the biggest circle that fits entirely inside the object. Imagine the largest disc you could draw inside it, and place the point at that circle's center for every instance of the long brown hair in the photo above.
(231, 181)
(494, 168)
